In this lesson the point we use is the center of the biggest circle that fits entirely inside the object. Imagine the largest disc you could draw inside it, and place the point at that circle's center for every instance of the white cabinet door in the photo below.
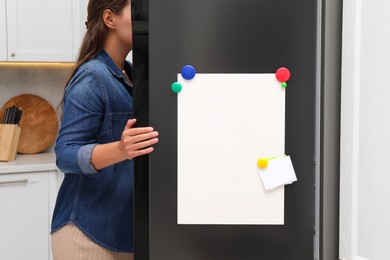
(3, 32)
(39, 30)
(24, 216)
(79, 18)
(365, 127)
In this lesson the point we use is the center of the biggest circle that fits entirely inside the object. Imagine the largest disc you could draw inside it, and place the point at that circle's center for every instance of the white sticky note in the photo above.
(279, 172)
(225, 123)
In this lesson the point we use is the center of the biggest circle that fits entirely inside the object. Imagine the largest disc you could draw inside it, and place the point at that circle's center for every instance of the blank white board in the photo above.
(226, 122)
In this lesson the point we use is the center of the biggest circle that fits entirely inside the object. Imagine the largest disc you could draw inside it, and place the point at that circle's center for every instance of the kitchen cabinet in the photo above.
(3, 32)
(41, 31)
(79, 8)
(28, 189)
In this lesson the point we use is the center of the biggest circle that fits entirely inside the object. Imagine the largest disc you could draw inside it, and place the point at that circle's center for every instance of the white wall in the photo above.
(45, 81)
(365, 128)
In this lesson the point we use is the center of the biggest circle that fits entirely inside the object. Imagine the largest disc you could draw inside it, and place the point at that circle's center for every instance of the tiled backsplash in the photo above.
(46, 81)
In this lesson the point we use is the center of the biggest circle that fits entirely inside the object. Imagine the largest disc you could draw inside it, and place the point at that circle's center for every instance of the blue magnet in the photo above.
(188, 72)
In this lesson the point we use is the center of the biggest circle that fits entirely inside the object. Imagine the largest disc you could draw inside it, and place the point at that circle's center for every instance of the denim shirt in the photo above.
(97, 105)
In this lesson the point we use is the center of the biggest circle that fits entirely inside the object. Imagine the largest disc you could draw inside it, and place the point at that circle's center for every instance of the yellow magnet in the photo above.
(262, 163)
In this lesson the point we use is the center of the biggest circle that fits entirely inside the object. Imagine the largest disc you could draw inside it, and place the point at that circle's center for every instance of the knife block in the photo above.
(9, 139)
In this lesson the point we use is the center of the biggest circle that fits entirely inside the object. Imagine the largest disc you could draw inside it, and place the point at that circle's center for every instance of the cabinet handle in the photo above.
(13, 54)
(14, 181)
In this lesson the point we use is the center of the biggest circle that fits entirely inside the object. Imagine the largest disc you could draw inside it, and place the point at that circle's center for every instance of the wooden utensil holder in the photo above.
(9, 139)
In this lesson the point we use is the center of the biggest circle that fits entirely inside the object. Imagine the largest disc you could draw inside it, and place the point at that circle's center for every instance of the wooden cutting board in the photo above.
(39, 123)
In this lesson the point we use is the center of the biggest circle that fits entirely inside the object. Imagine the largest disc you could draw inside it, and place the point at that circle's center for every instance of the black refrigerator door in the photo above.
(222, 36)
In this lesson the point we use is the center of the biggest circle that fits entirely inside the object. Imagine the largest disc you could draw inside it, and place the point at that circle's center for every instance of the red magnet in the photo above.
(282, 74)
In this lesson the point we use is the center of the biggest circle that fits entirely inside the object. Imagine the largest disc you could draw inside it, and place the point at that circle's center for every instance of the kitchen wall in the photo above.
(44, 80)
(365, 128)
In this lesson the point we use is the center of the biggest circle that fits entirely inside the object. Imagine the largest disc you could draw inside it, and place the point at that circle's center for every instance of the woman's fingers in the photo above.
(139, 149)
(137, 141)
(136, 153)
(130, 123)
(141, 145)
(140, 137)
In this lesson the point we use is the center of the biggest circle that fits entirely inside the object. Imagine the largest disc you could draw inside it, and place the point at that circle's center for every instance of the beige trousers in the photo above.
(69, 243)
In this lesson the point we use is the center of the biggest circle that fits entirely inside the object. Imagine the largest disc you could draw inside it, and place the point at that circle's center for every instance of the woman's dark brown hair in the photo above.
(96, 31)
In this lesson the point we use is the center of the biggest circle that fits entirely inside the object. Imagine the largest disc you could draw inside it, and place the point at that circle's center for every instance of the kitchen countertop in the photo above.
(30, 163)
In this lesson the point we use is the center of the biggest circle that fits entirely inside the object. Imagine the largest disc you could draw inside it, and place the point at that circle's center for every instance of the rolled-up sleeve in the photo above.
(83, 111)
(84, 159)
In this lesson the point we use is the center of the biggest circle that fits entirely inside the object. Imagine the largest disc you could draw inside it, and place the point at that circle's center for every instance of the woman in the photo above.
(93, 216)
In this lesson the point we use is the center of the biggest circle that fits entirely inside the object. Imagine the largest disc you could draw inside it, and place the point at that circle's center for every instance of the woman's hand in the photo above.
(137, 141)
(134, 142)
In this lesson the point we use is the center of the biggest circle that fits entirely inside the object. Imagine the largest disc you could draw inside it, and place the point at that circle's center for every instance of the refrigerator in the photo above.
(205, 75)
